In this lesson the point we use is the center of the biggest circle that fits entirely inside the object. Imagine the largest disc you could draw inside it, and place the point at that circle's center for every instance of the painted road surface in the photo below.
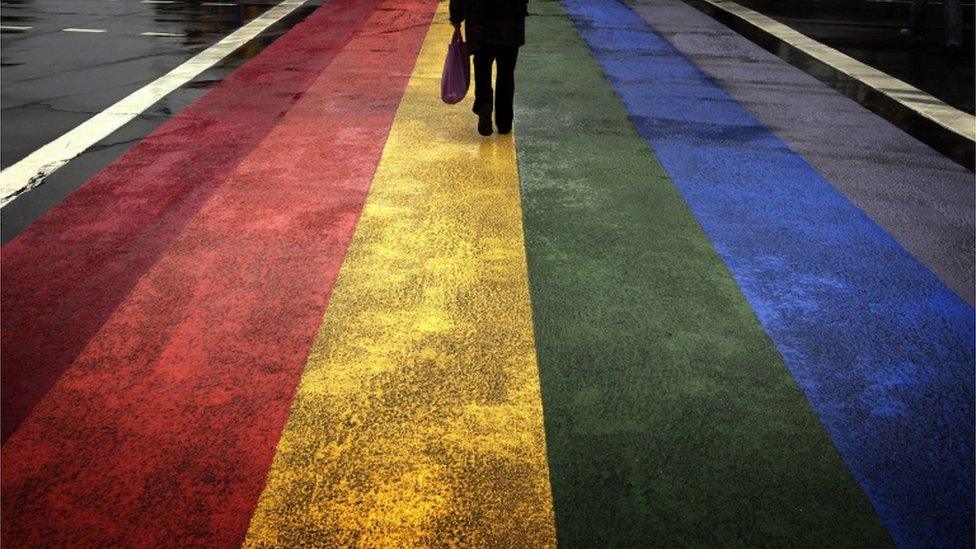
(315, 308)
(54, 80)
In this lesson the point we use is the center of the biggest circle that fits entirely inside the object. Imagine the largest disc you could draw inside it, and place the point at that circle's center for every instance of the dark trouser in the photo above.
(504, 93)
(952, 19)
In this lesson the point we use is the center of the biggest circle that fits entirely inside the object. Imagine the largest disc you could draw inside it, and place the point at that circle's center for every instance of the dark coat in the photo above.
(491, 21)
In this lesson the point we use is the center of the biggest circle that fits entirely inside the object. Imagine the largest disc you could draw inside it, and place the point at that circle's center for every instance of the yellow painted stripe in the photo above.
(418, 419)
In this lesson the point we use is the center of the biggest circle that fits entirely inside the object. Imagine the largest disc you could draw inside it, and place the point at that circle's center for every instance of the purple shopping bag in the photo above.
(457, 71)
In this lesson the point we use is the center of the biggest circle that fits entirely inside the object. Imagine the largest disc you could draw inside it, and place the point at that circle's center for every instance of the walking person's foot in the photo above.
(910, 39)
(484, 122)
(504, 128)
(953, 55)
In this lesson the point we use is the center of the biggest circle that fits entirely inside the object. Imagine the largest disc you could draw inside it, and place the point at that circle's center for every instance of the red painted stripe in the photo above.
(163, 429)
(64, 276)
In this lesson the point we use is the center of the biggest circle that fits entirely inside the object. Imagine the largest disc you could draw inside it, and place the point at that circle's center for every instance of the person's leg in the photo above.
(952, 19)
(483, 95)
(916, 18)
(952, 22)
(505, 88)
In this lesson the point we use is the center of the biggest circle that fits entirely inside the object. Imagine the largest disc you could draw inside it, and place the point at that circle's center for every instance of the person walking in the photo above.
(952, 20)
(494, 30)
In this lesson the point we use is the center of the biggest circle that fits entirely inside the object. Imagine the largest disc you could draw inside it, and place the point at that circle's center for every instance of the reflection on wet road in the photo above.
(53, 80)
(64, 62)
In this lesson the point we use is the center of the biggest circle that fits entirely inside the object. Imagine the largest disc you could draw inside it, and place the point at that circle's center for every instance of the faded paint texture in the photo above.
(162, 431)
(882, 349)
(418, 420)
(671, 419)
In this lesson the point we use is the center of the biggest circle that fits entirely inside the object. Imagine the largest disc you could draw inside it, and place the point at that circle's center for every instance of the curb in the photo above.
(946, 129)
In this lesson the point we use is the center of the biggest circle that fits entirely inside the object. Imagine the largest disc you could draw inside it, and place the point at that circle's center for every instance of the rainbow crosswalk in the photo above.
(419, 407)
(317, 309)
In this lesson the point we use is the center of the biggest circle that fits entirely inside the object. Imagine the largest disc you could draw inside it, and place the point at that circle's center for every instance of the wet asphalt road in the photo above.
(868, 30)
(53, 80)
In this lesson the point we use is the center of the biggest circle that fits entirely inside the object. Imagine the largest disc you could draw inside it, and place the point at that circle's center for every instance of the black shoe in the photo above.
(953, 55)
(484, 122)
(504, 128)
(910, 40)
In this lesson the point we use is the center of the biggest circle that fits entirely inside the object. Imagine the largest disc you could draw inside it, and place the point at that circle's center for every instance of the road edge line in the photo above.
(31, 170)
(943, 127)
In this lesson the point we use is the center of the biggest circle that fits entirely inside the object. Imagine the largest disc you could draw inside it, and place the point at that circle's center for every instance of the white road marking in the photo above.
(175, 34)
(158, 1)
(14, 28)
(31, 171)
(71, 29)
(947, 116)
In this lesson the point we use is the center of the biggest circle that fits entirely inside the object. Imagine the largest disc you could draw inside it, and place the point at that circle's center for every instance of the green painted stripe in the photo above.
(670, 417)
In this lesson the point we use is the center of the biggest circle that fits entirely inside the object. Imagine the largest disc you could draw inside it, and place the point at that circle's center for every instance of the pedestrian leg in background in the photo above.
(507, 56)
(953, 22)
(952, 19)
(916, 19)
(483, 94)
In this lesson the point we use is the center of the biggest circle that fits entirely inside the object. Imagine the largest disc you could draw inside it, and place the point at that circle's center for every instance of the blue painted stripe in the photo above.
(882, 348)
